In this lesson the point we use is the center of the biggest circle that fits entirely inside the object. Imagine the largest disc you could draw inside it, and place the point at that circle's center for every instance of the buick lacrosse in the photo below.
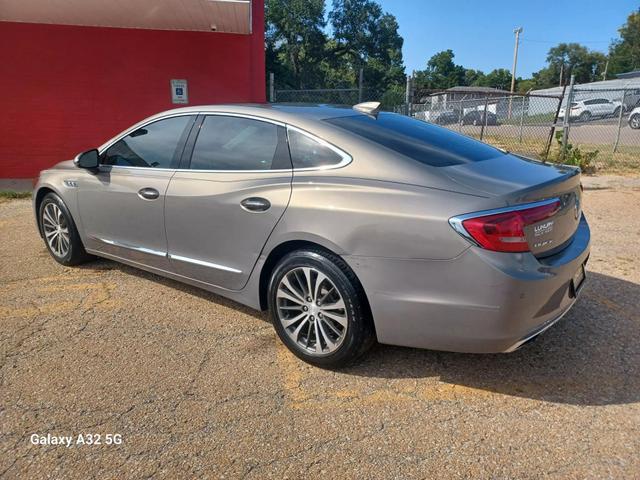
(348, 225)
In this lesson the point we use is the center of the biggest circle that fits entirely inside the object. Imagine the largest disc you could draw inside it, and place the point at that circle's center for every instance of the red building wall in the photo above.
(66, 89)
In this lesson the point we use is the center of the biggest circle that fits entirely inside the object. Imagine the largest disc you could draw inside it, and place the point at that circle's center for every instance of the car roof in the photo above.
(303, 116)
(279, 112)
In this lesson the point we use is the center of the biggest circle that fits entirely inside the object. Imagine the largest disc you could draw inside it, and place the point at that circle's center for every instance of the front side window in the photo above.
(155, 145)
(309, 153)
(236, 143)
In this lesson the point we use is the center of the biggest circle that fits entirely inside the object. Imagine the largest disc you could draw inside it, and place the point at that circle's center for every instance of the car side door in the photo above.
(601, 107)
(121, 205)
(221, 208)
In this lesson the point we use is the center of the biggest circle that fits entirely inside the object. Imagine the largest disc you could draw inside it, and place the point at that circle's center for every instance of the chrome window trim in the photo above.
(456, 221)
(346, 159)
(202, 263)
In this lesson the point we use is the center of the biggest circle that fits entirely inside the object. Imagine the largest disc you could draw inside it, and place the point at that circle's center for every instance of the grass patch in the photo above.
(10, 194)
(538, 119)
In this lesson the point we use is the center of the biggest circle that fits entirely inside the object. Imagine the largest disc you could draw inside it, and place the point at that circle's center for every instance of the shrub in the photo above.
(572, 155)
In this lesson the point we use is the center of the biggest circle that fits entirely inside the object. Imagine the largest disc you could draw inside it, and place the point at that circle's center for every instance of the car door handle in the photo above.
(148, 193)
(255, 204)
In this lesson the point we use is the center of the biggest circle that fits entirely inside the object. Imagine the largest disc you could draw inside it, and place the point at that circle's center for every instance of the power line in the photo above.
(555, 43)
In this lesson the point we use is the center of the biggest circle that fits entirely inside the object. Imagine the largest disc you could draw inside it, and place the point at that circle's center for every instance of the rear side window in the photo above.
(156, 145)
(423, 142)
(306, 152)
(236, 143)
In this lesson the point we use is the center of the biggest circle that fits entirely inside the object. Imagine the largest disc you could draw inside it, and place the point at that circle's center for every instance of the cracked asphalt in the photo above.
(198, 386)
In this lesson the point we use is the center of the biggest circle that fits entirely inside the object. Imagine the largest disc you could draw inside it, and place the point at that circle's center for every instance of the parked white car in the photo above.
(634, 118)
(585, 110)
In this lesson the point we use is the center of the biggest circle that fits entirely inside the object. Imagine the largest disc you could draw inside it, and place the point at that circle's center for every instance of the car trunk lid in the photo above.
(516, 182)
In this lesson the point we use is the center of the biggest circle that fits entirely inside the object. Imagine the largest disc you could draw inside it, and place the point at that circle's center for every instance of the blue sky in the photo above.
(480, 33)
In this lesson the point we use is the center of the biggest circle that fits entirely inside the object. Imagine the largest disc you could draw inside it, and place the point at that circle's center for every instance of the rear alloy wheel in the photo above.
(616, 112)
(585, 116)
(59, 232)
(317, 309)
(634, 121)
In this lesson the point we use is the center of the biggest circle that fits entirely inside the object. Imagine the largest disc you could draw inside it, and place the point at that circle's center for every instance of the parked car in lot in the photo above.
(585, 110)
(476, 117)
(634, 118)
(447, 117)
(348, 225)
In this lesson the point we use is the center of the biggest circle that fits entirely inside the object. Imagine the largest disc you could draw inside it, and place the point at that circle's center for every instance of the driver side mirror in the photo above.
(88, 159)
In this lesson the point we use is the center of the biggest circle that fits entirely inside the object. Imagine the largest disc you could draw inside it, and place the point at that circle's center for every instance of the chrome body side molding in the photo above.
(195, 261)
(158, 253)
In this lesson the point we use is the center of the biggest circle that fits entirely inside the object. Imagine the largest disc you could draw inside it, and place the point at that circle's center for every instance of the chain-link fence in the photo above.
(332, 96)
(516, 123)
(600, 132)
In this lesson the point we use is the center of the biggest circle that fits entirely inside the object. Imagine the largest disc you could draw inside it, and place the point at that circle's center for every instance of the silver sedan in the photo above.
(348, 225)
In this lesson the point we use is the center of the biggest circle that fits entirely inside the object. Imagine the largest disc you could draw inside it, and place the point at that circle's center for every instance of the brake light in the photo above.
(504, 232)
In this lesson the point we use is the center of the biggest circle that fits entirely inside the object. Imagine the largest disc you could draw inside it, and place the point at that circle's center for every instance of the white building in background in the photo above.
(624, 89)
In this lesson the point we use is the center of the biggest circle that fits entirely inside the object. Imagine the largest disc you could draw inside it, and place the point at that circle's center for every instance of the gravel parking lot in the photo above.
(198, 386)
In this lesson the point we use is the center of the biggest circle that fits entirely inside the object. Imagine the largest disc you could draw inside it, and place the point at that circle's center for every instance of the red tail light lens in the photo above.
(504, 232)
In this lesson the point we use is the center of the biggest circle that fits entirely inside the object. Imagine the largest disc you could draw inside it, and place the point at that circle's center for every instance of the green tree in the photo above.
(295, 41)
(441, 72)
(525, 85)
(498, 78)
(568, 59)
(624, 53)
(473, 77)
(366, 37)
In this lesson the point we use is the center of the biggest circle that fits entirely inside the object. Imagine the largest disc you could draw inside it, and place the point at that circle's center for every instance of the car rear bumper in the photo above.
(480, 301)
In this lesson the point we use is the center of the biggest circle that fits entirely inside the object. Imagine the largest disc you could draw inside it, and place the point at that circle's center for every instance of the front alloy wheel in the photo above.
(59, 231)
(56, 230)
(634, 122)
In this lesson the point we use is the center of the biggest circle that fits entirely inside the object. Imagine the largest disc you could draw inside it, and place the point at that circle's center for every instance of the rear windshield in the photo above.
(423, 142)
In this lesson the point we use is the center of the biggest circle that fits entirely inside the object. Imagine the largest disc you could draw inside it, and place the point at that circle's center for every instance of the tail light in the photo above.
(503, 230)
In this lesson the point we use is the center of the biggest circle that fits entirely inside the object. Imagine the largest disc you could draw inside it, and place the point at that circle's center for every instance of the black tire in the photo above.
(359, 336)
(76, 253)
(634, 121)
(585, 116)
(616, 112)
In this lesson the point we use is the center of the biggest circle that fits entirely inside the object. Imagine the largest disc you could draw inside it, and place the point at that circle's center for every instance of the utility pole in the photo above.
(606, 67)
(561, 73)
(517, 31)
